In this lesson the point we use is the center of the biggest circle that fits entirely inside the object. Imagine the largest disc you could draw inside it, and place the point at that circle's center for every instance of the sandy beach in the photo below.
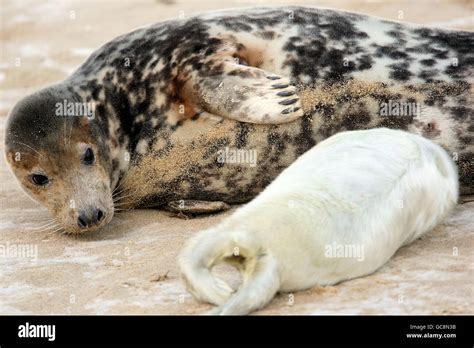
(129, 267)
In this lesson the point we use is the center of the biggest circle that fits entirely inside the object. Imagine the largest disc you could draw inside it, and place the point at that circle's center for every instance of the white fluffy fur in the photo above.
(379, 189)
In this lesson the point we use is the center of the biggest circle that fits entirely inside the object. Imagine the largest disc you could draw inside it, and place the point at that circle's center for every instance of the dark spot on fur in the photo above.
(428, 62)
(392, 52)
(399, 71)
(241, 135)
(267, 35)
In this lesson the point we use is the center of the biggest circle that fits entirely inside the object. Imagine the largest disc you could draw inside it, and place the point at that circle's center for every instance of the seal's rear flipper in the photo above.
(195, 207)
(244, 93)
(260, 284)
(260, 277)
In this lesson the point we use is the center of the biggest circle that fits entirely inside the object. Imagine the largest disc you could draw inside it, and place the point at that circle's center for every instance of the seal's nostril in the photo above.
(89, 218)
(81, 221)
(100, 215)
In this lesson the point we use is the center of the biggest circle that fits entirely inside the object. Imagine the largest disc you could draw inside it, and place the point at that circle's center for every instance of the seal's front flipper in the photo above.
(195, 207)
(244, 93)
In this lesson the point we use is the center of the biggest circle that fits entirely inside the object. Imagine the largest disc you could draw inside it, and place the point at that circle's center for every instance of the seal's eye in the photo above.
(88, 156)
(40, 180)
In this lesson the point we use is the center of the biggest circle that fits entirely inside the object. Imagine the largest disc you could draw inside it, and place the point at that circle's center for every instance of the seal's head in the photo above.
(61, 159)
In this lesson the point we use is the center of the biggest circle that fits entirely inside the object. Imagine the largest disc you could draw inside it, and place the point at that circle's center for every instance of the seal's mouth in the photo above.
(87, 220)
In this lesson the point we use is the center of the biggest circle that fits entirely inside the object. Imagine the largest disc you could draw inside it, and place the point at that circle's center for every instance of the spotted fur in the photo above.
(156, 95)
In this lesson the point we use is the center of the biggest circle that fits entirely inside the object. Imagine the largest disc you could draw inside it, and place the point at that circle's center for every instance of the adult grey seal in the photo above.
(161, 105)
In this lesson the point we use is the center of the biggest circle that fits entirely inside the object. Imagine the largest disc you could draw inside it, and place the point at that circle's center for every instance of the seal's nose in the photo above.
(89, 218)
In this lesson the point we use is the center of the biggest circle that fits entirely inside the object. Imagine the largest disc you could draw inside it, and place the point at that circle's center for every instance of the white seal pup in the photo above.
(371, 191)
(169, 98)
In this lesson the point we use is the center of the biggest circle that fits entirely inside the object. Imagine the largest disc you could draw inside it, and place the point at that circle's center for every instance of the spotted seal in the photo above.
(168, 99)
